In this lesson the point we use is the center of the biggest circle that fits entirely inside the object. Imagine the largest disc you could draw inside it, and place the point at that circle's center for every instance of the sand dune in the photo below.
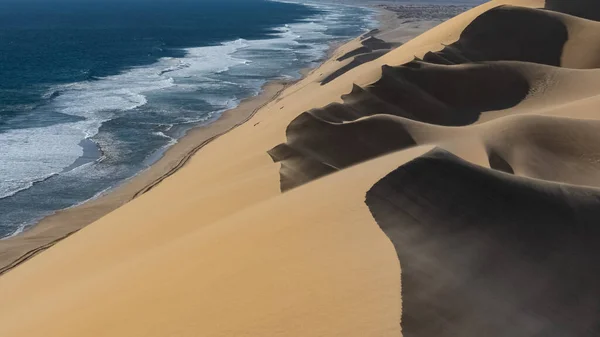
(582, 8)
(550, 38)
(319, 147)
(485, 253)
(504, 245)
(445, 187)
(373, 121)
(553, 149)
(367, 48)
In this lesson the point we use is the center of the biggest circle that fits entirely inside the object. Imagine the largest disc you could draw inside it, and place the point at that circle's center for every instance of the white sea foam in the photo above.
(31, 155)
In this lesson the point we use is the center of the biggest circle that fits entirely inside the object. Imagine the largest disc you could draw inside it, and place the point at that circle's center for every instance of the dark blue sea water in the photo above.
(92, 91)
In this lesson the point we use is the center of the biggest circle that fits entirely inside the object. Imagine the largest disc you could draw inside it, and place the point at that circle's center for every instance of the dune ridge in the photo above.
(498, 75)
(445, 187)
(484, 252)
(495, 229)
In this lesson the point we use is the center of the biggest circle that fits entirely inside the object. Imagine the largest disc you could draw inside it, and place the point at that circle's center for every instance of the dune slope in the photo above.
(445, 187)
(487, 253)
(496, 229)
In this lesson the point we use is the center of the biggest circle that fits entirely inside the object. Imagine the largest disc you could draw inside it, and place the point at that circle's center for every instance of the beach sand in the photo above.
(54, 228)
(448, 186)
(18, 249)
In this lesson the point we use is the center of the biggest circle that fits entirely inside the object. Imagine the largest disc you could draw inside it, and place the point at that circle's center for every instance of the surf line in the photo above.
(180, 164)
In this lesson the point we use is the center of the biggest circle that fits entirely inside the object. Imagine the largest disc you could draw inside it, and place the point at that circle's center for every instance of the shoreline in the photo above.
(51, 229)
(56, 227)
(399, 188)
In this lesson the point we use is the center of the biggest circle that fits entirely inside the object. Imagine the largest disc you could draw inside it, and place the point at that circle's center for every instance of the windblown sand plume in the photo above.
(448, 186)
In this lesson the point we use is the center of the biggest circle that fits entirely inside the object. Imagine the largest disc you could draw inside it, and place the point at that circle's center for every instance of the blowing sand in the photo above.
(447, 186)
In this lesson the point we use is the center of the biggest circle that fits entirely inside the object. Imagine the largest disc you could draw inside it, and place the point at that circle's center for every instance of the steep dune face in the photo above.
(449, 187)
(553, 149)
(367, 48)
(489, 254)
(496, 230)
(395, 113)
(534, 35)
(582, 8)
(490, 38)
(319, 147)
(504, 62)
(363, 127)
(550, 38)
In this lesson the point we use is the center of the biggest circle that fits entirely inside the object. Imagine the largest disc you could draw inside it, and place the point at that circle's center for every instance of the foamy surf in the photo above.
(134, 116)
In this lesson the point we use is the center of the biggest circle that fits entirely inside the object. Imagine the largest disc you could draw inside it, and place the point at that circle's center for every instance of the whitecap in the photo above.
(32, 155)
(213, 74)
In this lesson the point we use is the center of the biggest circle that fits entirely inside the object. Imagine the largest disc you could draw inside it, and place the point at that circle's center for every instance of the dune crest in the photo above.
(486, 253)
(495, 229)
(445, 187)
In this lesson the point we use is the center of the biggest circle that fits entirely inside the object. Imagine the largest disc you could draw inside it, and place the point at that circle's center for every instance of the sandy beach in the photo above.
(49, 231)
(442, 185)
(54, 228)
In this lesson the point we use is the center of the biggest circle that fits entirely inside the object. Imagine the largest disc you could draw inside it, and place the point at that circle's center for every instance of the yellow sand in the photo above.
(218, 250)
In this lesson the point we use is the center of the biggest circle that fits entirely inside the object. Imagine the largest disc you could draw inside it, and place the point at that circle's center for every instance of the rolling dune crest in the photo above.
(446, 187)
(496, 228)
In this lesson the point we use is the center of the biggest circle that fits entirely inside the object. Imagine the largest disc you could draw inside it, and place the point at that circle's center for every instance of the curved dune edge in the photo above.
(496, 229)
(487, 253)
(217, 250)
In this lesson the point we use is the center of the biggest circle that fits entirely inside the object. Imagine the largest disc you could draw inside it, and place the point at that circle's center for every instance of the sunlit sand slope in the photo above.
(444, 187)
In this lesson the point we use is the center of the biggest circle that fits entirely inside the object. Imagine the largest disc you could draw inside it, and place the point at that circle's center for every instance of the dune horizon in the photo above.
(447, 185)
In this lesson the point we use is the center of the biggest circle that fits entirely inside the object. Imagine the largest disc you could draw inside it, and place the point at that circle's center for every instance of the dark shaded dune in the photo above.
(587, 9)
(365, 125)
(316, 147)
(451, 55)
(484, 253)
(336, 113)
(508, 33)
(376, 44)
(453, 88)
(358, 51)
(370, 33)
(371, 49)
(498, 163)
(452, 95)
(369, 44)
(549, 148)
(396, 90)
(362, 58)
(441, 95)
(366, 103)
(296, 168)
(357, 104)
(437, 58)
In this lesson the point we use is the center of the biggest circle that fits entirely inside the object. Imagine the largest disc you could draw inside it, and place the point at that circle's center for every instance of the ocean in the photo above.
(93, 91)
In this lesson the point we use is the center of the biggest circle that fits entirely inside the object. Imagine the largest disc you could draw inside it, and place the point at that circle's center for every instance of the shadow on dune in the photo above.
(447, 88)
(365, 125)
(587, 9)
(484, 253)
(356, 61)
(549, 148)
(371, 49)
(449, 96)
(499, 164)
(508, 33)
(317, 146)
(369, 43)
